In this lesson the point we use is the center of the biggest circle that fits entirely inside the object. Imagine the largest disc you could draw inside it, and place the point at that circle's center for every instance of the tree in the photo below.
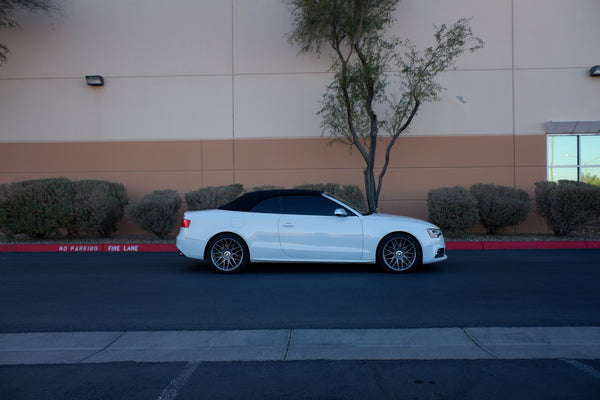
(362, 85)
(590, 178)
(9, 7)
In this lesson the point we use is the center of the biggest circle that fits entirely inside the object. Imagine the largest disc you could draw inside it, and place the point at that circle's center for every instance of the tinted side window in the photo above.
(271, 205)
(308, 205)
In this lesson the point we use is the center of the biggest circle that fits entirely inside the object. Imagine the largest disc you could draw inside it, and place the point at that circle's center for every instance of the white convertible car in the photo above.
(305, 226)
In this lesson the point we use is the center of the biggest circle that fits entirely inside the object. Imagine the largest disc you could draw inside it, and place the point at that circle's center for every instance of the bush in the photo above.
(453, 209)
(156, 212)
(38, 208)
(265, 187)
(3, 209)
(212, 197)
(349, 193)
(99, 206)
(500, 206)
(568, 205)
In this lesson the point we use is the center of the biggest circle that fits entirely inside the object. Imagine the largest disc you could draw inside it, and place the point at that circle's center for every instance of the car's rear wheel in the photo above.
(399, 252)
(228, 253)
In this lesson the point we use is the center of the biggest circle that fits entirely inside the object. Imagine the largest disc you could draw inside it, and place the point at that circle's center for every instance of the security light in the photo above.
(94, 80)
(595, 70)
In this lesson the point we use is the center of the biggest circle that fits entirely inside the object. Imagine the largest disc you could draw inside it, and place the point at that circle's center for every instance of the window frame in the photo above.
(578, 165)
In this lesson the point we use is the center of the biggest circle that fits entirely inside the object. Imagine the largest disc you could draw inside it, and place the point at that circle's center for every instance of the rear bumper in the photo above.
(192, 248)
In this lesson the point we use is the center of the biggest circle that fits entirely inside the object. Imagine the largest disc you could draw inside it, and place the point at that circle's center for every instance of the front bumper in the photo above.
(434, 251)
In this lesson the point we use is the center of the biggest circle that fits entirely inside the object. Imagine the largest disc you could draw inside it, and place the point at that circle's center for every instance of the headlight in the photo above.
(434, 232)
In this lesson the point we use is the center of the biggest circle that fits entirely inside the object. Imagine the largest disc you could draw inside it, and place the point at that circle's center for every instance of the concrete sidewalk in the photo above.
(301, 344)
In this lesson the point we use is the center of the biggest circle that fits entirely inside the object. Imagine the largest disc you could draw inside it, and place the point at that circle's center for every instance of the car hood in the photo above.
(398, 218)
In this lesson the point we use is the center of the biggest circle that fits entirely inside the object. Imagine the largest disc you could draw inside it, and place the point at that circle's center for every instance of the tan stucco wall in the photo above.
(223, 69)
(418, 164)
(210, 92)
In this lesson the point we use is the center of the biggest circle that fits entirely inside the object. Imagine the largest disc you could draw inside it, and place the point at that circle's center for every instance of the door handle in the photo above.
(288, 225)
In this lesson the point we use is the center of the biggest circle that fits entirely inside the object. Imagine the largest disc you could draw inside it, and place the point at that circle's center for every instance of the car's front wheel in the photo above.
(399, 252)
(228, 253)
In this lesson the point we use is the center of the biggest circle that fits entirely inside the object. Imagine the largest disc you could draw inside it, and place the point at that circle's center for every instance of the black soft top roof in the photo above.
(246, 202)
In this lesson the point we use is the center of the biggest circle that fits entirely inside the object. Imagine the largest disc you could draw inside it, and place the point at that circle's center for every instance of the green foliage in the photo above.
(568, 205)
(4, 193)
(156, 212)
(500, 206)
(99, 206)
(212, 197)
(362, 54)
(590, 178)
(43, 207)
(453, 209)
(351, 194)
(314, 20)
(265, 187)
(8, 9)
(38, 208)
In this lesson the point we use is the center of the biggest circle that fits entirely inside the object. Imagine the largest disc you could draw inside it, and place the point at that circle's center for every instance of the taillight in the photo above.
(186, 223)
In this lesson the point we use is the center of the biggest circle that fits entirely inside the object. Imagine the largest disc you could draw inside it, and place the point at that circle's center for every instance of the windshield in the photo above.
(358, 205)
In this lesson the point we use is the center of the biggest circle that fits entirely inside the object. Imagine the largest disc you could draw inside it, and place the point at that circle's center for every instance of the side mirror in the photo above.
(340, 212)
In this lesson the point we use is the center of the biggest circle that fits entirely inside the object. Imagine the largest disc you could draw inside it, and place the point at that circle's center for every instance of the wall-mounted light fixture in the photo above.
(94, 80)
(595, 70)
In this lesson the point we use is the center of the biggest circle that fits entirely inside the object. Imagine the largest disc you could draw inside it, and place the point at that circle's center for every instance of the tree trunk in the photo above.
(370, 189)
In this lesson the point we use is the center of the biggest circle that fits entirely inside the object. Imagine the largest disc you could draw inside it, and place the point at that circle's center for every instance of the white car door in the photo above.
(309, 230)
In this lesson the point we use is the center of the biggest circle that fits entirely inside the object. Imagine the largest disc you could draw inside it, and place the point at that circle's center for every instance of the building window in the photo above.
(574, 157)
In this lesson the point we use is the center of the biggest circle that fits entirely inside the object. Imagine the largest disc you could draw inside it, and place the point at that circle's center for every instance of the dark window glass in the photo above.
(309, 205)
(271, 205)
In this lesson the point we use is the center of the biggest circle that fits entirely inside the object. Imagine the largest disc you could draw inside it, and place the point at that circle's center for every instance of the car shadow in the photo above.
(305, 268)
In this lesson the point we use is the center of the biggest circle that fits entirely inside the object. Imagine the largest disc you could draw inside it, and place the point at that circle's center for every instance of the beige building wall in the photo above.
(201, 93)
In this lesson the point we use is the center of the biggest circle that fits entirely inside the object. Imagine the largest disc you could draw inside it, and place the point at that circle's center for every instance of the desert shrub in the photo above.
(38, 208)
(212, 197)
(568, 205)
(349, 193)
(500, 206)
(453, 209)
(156, 212)
(3, 207)
(99, 206)
(266, 187)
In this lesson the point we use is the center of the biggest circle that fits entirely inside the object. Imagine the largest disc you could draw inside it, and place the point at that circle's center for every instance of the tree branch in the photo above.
(391, 144)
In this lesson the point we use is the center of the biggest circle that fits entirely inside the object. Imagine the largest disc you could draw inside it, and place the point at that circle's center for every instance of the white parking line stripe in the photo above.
(172, 390)
(594, 373)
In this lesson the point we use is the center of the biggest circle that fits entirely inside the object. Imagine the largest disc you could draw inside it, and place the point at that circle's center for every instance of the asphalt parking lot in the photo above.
(485, 324)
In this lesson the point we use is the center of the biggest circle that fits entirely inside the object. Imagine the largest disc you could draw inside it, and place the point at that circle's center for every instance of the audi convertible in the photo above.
(305, 226)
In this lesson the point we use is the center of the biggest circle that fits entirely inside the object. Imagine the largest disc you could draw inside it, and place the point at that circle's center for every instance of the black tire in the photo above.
(227, 253)
(399, 253)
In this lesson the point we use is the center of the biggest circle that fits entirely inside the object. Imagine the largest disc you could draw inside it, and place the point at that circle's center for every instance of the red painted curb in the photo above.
(523, 245)
(533, 245)
(146, 247)
(88, 248)
(464, 245)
